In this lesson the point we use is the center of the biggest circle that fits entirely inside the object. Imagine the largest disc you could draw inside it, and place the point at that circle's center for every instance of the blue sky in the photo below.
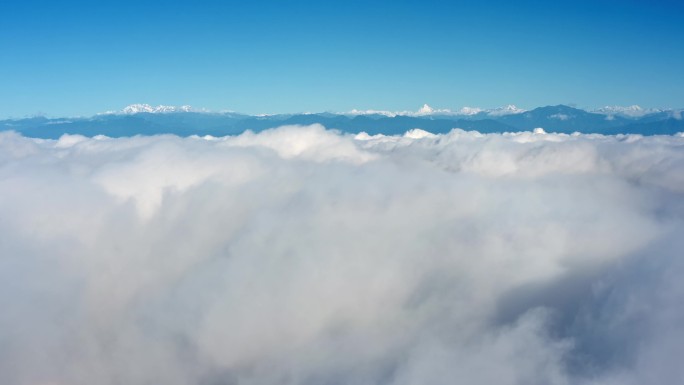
(75, 58)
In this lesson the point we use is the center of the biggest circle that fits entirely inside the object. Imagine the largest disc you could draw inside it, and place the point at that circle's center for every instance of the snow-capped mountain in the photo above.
(633, 111)
(160, 109)
(427, 110)
(506, 110)
(144, 119)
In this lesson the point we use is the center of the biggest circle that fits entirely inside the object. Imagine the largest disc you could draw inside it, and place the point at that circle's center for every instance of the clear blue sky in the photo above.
(74, 58)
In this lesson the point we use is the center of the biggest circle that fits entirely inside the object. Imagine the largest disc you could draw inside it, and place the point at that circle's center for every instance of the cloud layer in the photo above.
(305, 256)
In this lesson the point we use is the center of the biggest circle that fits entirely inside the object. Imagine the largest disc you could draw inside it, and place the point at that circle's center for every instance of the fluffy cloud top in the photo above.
(305, 256)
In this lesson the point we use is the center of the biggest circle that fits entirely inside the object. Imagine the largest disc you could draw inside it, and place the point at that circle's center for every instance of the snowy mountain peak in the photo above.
(146, 108)
(427, 110)
(633, 111)
(507, 110)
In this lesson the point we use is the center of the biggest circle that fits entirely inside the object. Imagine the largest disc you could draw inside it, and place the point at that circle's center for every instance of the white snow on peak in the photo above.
(506, 110)
(160, 109)
(427, 110)
(633, 111)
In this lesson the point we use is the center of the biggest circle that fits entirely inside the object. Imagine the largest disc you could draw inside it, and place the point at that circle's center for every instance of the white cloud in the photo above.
(417, 133)
(373, 112)
(312, 143)
(301, 255)
(425, 110)
(560, 116)
(470, 111)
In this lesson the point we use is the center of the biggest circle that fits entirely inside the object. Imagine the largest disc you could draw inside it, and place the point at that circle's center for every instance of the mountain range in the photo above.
(143, 119)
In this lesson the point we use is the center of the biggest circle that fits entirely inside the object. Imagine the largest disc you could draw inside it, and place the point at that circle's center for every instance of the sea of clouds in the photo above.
(302, 255)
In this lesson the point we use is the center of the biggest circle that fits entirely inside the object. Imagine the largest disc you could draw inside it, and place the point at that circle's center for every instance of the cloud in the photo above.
(560, 116)
(301, 255)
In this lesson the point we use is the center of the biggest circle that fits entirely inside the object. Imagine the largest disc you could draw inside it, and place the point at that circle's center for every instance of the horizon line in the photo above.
(424, 111)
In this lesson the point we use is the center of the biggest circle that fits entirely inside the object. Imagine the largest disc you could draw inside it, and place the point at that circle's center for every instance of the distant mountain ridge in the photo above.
(633, 111)
(146, 108)
(144, 119)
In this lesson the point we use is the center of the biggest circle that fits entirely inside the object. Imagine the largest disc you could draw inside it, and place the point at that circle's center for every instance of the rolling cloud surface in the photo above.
(302, 255)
